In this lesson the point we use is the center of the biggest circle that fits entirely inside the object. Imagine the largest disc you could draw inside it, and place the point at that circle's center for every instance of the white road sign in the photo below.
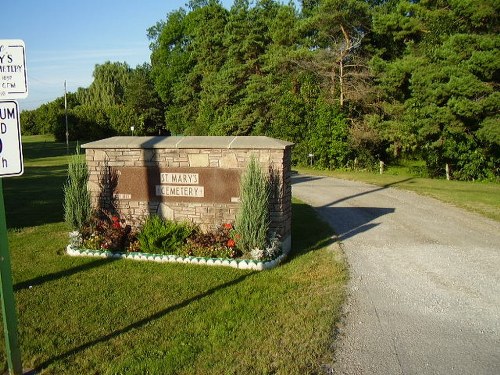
(11, 153)
(13, 74)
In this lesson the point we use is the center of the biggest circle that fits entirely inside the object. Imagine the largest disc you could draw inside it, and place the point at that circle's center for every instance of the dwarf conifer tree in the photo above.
(77, 206)
(252, 222)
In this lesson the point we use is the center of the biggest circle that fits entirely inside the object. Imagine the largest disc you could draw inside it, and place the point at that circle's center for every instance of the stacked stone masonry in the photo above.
(133, 176)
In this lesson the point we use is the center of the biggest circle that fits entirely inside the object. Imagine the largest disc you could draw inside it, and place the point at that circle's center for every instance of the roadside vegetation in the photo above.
(82, 315)
(482, 197)
(352, 82)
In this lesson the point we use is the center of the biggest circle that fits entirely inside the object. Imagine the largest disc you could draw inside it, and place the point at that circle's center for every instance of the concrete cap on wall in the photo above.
(177, 142)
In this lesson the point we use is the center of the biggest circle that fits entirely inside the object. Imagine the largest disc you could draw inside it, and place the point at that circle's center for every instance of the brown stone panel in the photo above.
(140, 184)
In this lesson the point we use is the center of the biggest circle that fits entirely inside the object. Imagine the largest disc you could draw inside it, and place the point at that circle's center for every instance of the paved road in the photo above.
(424, 294)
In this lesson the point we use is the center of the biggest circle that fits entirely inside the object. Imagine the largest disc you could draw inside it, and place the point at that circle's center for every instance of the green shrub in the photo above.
(161, 236)
(214, 244)
(77, 205)
(107, 232)
(252, 222)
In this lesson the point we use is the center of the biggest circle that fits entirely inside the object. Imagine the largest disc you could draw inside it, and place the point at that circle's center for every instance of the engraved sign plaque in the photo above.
(178, 184)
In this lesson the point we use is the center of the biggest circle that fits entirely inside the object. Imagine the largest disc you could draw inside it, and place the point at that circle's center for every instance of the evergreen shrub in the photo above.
(252, 223)
(159, 236)
(77, 205)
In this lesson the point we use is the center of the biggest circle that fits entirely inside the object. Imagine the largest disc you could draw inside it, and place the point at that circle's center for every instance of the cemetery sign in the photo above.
(13, 75)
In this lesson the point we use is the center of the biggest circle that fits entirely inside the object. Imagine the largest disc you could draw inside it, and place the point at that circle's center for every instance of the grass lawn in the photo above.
(480, 197)
(87, 316)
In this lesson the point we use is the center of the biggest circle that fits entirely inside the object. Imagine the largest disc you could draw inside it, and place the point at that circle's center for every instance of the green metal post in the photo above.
(8, 303)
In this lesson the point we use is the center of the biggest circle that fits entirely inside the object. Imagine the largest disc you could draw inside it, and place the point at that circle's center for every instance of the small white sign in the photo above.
(180, 178)
(13, 74)
(180, 191)
(11, 153)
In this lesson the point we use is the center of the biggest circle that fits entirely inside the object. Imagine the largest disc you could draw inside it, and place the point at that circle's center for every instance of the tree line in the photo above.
(118, 98)
(352, 82)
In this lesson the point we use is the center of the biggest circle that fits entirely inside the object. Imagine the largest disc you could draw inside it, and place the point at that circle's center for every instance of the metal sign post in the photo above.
(8, 302)
(11, 164)
(13, 85)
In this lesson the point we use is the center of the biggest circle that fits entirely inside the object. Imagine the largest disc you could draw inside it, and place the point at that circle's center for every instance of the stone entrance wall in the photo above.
(187, 178)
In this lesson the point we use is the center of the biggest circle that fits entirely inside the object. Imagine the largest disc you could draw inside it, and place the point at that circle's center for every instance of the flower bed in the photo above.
(159, 240)
(103, 233)
(244, 264)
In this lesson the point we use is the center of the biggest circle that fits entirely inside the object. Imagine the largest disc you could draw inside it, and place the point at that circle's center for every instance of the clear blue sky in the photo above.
(65, 38)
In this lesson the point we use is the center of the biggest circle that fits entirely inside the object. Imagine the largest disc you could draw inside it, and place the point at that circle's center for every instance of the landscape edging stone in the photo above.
(244, 264)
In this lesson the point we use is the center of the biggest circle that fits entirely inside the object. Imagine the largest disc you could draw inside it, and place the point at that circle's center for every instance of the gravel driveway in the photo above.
(424, 294)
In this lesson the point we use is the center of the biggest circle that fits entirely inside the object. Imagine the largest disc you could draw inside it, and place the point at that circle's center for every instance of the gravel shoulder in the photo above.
(424, 292)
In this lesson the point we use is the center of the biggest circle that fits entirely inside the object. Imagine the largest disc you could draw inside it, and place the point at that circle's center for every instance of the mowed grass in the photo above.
(479, 197)
(36, 197)
(99, 316)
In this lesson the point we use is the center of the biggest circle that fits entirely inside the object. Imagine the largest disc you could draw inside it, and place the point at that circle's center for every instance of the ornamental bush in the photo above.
(159, 236)
(106, 231)
(214, 244)
(252, 222)
(77, 205)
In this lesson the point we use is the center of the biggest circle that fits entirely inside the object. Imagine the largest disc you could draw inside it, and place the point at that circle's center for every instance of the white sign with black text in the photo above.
(11, 153)
(13, 74)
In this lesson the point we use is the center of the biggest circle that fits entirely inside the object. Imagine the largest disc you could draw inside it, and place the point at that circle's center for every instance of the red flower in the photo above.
(231, 243)
(116, 225)
(228, 226)
(115, 219)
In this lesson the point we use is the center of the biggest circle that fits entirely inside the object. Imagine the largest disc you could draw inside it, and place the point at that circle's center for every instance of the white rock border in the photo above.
(242, 264)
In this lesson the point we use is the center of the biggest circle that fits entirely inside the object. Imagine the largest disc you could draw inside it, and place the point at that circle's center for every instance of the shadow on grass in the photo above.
(35, 198)
(142, 322)
(46, 149)
(309, 231)
(64, 273)
(309, 234)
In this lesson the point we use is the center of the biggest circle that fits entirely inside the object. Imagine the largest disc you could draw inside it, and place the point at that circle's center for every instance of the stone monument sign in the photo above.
(187, 178)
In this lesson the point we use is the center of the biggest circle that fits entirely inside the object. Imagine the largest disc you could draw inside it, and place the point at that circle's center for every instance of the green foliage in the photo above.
(252, 222)
(441, 96)
(118, 98)
(214, 244)
(161, 236)
(257, 80)
(352, 82)
(107, 232)
(143, 103)
(29, 123)
(77, 206)
(44, 119)
(490, 131)
(108, 87)
(328, 138)
(84, 123)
